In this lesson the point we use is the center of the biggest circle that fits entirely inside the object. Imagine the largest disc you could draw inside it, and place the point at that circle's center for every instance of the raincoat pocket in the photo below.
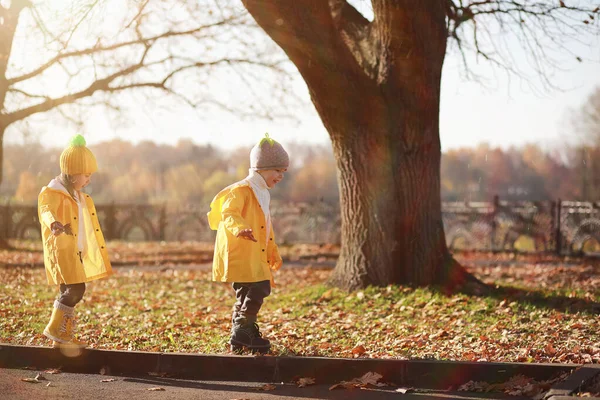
(64, 241)
(240, 249)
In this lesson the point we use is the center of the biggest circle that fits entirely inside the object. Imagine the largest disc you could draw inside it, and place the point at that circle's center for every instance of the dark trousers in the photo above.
(70, 295)
(249, 298)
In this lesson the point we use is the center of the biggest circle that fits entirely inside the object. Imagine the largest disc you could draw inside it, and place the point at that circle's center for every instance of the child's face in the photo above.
(272, 176)
(81, 180)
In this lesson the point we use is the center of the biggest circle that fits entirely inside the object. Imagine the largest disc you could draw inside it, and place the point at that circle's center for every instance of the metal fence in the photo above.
(559, 227)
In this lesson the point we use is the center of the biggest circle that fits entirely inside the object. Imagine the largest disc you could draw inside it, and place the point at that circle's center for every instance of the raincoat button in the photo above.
(93, 213)
(74, 217)
(97, 230)
(263, 249)
(262, 227)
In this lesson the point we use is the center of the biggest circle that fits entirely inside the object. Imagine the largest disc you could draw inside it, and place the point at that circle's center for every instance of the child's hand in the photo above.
(68, 229)
(57, 228)
(247, 234)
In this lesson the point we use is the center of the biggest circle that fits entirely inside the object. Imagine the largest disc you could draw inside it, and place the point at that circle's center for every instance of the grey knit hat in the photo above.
(268, 154)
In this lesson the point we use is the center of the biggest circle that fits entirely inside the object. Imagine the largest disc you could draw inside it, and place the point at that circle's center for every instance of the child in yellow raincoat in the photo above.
(74, 247)
(245, 249)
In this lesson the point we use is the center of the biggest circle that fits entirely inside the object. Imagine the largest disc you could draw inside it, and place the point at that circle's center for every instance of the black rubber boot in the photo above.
(247, 334)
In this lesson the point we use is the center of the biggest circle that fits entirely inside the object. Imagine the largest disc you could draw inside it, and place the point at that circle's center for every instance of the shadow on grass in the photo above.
(536, 298)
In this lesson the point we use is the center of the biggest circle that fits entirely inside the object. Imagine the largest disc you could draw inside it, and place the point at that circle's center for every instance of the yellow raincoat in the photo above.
(61, 253)
(236, 259)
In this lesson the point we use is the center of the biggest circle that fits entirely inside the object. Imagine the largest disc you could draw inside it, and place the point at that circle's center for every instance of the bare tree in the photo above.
(586, 120)
(586, 153)
(73, 57)
(375, 83)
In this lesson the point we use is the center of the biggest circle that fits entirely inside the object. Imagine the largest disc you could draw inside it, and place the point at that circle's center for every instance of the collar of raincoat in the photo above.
(56, 185)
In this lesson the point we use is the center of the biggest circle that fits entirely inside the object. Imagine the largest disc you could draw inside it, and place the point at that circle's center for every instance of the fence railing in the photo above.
(559, 227)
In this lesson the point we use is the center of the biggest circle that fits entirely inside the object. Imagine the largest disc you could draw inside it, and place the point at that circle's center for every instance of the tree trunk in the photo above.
(392, 228)
(9, 19)
(3, 241)
(376, 86)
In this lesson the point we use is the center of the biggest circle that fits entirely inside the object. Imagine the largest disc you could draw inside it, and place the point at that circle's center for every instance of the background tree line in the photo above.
(189, 174)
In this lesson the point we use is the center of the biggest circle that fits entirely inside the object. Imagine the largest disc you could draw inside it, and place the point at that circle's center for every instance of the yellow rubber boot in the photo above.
(71, 326)
(60, 327)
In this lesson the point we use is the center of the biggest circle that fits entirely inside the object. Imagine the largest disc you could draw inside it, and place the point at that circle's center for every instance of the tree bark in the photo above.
(376, 87)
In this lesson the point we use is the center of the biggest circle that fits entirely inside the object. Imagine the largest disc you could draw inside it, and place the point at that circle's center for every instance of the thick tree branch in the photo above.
(412, 37)
(307, 33)
(357, 34)
(99, 85)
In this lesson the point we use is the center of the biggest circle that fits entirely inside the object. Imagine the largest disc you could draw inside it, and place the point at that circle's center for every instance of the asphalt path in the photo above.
(70, 386)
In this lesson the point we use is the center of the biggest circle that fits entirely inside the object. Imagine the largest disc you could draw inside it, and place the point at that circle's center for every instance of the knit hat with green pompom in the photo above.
(268, 154)
(77, 159)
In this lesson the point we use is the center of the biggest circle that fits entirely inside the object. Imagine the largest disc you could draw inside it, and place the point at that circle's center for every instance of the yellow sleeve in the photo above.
(231, 212)
(47, 207)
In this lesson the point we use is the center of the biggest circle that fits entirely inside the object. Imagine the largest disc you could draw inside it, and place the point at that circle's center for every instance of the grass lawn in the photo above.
(539, 313)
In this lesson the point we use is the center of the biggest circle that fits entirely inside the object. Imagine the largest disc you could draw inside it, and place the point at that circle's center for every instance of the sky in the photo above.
(501, 112)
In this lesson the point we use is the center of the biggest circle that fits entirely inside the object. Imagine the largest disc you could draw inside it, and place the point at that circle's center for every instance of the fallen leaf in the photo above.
(404, 390)
(108, 380)
(52, 371)
(343, 385)
(326, 295)
(372, 378)
(30, 380)
(266, 387)
(303, 382)
(49, 384)
(358, 351)
(156, 389)
(40, 377)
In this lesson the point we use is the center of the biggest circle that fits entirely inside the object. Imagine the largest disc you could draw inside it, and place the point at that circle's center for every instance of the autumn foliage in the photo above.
(190, 174)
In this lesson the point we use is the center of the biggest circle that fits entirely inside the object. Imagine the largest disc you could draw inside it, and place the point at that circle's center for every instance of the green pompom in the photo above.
(77, 141)
(267, 139)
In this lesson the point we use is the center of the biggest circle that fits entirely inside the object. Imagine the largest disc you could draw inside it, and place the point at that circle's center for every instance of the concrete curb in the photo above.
(573, 383)
(427, 374)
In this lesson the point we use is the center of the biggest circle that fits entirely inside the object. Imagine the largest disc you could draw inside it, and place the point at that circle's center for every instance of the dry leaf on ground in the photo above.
(156, 389)
(266, 387)
(108, 380)
(358, 351)
(370, 378)
(52, 371)
(303, 382)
